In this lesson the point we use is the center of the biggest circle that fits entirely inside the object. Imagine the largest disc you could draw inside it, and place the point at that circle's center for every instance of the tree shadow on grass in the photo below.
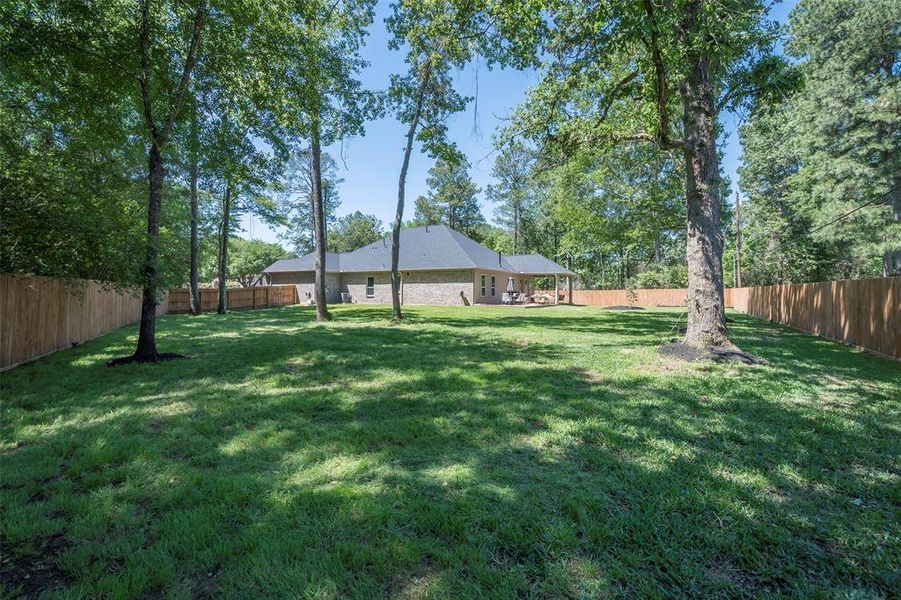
(368, 460)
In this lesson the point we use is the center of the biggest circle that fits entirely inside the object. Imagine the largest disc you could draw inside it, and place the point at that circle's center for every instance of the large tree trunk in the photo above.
(401, 188)
(322, 313)
(147, 332)
(195, 241)
(704, 250)
(224, 229)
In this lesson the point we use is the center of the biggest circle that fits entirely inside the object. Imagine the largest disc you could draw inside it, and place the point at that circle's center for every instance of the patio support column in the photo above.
(556, 288)
(569, 289)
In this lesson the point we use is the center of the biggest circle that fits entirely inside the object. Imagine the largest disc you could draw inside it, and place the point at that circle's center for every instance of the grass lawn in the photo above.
(468, 452)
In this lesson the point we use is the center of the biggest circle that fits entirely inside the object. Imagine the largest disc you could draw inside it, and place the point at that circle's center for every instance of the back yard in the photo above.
(467, 452)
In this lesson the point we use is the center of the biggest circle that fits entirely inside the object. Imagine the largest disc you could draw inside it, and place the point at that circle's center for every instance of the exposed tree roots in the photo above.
(153, 358)
(721, 355)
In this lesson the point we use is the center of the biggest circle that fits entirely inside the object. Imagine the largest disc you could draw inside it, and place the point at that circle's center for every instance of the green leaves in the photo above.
(354, 231)
(824, 146)
(451, 199)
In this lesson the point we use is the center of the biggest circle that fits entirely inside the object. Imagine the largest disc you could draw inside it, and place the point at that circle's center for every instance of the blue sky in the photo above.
(373, 161)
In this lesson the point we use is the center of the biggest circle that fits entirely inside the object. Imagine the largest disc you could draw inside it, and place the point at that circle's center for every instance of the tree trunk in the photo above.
(322, 313)
(146, 348)
(195, 241)
(737, 240)
(401, 185)
(515, 227)
(896, 216)
(147, 332)
(224, 229)
(706, 326)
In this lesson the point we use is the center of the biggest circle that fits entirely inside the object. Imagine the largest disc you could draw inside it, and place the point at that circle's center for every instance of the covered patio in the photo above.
(521, 286)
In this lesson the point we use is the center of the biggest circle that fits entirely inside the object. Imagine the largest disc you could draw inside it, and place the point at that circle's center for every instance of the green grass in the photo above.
(468, 452)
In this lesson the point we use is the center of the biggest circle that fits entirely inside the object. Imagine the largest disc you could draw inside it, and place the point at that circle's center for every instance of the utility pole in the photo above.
(737, 239)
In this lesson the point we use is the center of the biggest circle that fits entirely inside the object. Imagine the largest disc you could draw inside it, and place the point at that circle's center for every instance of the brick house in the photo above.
(437, 264)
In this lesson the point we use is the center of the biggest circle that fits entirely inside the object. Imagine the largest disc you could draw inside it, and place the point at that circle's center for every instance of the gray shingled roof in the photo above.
(306, 262)
(424, 248)
(535, 264)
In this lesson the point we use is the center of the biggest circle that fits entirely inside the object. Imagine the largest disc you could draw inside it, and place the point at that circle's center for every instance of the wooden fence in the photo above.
(862, 312)
(39, 315)
(238, 298)
(657, 297)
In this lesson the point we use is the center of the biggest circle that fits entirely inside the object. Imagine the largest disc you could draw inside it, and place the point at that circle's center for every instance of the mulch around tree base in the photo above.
(692, 354)
(159, 357)
(623, 307)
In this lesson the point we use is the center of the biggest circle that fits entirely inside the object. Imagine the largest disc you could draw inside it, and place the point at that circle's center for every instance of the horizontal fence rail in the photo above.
(39, 315)
(238, 298)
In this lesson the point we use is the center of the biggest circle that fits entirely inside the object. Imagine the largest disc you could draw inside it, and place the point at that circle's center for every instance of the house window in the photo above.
(483, 285)
(370, 287)
(493, 284)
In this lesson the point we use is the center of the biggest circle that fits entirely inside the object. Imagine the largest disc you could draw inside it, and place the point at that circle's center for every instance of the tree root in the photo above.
(152, 358)
(687, 353)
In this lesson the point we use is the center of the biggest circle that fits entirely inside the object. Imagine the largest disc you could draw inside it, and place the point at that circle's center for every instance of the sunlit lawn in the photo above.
(470, 452)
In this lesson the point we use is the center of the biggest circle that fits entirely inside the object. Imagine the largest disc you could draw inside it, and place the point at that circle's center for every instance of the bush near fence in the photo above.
(39, 315)
(238, 298)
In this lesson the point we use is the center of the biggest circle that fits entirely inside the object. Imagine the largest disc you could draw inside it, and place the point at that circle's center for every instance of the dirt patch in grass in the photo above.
(726, 571)
(413, 586)
(623, 307)
(32, 567)
(205, 584)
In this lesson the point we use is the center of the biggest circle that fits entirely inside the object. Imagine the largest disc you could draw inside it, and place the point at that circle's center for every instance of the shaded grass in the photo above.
(466, 452)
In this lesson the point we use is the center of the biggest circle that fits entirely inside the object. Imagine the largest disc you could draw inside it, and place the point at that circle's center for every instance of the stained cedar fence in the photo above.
(862, 312)
(39, 315)
(238, 298)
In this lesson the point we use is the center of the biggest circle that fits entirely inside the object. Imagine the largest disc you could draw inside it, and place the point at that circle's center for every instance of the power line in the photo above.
(851, 212)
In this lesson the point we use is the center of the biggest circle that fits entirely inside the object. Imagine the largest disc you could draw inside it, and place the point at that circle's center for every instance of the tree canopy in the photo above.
(830, 145)
(452, 198)
(354, 231)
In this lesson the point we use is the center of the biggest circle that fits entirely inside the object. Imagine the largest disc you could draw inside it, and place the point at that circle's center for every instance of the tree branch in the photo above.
(661, 134)
(190, 61)
(611, 98)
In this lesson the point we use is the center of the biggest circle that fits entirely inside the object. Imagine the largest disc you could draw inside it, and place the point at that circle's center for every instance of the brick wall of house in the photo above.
(438, 287)
(355, 285)
(449, 288)
(305, 281)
